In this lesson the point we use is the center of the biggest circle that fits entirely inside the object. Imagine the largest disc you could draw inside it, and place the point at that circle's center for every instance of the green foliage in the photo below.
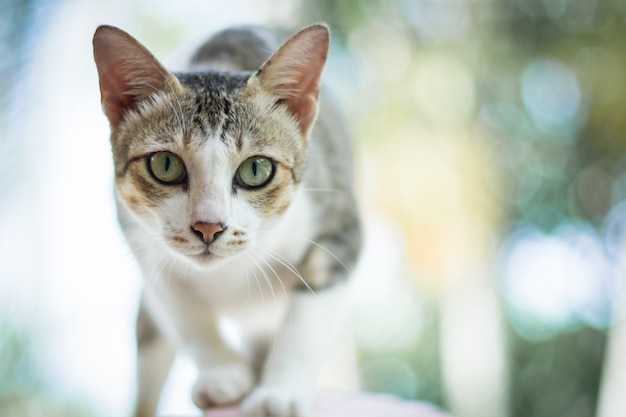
(558, 377)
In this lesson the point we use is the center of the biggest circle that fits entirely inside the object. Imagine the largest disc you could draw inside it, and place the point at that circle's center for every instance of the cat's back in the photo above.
(238, 48)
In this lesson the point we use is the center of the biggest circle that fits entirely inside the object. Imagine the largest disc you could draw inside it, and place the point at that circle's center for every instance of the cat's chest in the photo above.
(242, 284)
(237, 287)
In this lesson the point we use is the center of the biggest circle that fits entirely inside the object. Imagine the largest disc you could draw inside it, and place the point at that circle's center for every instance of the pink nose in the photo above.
(208, 232)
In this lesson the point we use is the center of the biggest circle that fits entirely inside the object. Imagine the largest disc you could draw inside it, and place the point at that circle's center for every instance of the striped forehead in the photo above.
(212, 107)
(209, 107)
(210, 100)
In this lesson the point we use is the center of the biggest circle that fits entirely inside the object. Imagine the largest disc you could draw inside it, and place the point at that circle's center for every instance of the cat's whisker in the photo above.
(280, 281)
(323, 190)
(185, 273)
(270, 355)
(178, 116)
(126, 223)
(181, 116)
(249, 294)
(162, 261)
(128, 256)
(252, 270)
(264, 274)
(285, 262)
(154, 243)
(256, 277)
(322, 248)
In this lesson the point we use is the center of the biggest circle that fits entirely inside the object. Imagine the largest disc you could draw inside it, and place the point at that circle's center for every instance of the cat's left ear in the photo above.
(128, 73)
(293, 73)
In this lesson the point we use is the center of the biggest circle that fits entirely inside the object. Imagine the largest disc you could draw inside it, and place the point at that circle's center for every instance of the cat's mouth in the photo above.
(199, 255)
(209, 258)
(205, 257)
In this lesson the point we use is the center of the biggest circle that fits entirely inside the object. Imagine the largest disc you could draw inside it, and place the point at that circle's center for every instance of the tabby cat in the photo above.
(237, 202)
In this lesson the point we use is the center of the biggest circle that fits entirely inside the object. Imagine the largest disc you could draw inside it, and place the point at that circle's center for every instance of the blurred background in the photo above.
(491, 150)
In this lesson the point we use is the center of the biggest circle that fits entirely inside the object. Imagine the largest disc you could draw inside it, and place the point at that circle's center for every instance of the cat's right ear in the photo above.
(293, 73)
(128, 72)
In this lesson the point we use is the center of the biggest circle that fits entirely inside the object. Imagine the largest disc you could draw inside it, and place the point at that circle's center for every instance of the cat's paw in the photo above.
(277, 402)
(222, 385)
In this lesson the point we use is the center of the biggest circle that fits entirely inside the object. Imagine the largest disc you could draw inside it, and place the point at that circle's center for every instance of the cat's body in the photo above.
(236, 203)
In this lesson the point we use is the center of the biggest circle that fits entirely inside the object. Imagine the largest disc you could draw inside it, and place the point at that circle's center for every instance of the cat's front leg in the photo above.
(222, 384)
(224, 376)
(155, 356)
(287, 385)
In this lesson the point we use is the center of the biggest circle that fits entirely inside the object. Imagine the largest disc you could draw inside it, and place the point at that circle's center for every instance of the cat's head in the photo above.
(209, 161)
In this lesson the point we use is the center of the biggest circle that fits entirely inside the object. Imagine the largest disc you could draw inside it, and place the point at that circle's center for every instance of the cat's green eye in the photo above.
(167, 167)
(255, 172)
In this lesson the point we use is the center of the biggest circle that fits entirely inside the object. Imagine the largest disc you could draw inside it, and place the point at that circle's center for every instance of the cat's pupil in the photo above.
(254, 168)
(167, 163)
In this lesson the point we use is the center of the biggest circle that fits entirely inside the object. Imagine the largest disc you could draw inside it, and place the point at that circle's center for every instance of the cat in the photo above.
(234, 188)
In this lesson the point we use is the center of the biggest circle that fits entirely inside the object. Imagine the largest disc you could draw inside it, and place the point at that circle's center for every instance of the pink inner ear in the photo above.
(114, 102)
(294, 71)
(303, 103)
(305, 110)
(128, 72)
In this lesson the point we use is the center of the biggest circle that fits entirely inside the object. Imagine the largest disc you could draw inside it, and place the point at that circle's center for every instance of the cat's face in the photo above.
(208, 162)
(207, 181)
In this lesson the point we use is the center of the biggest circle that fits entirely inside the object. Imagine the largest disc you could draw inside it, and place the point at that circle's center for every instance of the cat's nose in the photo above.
(208, 232)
